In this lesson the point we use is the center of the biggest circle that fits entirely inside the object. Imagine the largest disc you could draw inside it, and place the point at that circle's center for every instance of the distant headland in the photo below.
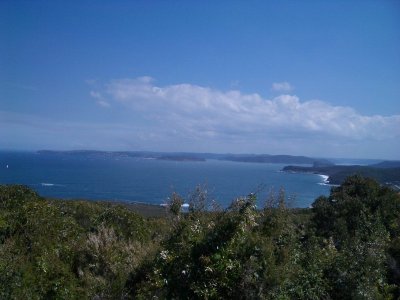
(386, 172)
(190, 156)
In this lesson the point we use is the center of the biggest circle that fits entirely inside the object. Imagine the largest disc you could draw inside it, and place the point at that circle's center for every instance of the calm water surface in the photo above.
(152, 181)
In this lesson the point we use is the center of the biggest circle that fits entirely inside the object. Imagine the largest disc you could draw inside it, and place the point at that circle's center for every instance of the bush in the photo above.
(346, 247)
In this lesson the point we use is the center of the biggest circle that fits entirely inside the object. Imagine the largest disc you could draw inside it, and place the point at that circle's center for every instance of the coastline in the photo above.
(326, 182)
(325, 179)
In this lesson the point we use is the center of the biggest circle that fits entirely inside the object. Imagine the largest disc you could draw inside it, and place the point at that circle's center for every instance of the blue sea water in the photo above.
(153, 181)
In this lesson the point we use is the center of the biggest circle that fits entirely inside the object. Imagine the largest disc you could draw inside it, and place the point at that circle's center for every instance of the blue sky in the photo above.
(318, 78)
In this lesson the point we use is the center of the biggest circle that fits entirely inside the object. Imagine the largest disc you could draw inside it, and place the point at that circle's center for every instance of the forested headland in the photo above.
(386, 172)
(347, 246)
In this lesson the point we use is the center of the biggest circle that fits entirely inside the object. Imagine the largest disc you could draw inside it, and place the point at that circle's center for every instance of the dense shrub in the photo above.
(362, 218)
(346, 247)
(66, 249)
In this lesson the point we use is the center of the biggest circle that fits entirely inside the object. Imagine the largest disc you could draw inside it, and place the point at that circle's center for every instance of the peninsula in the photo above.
(386, 172)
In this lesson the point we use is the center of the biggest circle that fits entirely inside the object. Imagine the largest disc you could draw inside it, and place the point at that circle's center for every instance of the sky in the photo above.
(315, 78)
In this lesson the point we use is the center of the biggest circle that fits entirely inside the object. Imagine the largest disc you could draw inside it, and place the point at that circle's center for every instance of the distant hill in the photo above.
(188, 156)
(280, 159)
(181, 158)
(387, 164)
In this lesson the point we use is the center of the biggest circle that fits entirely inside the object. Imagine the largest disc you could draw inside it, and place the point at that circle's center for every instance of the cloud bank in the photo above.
(204, 110)
(220, 119)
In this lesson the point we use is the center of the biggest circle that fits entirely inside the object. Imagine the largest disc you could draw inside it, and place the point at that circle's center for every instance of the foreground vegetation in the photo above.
(346, 247)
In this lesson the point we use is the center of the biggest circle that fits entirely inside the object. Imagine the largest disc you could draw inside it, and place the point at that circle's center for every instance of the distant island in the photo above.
(181, 158)
(189, 156)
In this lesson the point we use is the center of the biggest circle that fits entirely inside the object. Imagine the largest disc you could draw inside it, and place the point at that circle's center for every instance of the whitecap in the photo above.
(50, 184)
(324, 178)
(183, 205)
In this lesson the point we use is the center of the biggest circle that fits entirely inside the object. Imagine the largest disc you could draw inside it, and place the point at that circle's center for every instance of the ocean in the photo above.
(153, 181)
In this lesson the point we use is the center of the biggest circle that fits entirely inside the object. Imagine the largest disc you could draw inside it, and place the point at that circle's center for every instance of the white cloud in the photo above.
(96, 95)
(103, 103)
(201, 111)
(283, 87)
(100, 99)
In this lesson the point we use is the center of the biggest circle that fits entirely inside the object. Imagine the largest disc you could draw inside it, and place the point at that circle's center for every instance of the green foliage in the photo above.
(362, 218)
(175, 204)
(38, 240)
(346, 247)
(66, 249)
(345, 210)
(202, 259)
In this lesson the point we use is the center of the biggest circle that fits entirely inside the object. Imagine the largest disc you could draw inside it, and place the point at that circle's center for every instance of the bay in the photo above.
(153, 181)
